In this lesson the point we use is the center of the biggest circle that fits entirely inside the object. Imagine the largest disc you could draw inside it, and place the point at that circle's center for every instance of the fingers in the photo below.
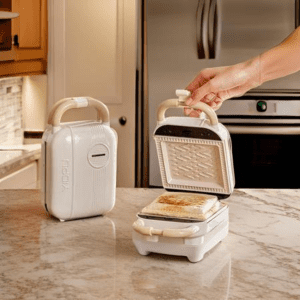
(199, 94)
(215, 105)
(192, 112)
(197, 82)
(211, 99)
(217, 81)
(203, 77)
(187, 110)
(215, 85)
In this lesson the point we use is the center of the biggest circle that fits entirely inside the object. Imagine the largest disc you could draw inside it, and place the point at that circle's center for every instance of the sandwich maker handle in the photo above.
(177, 233)
(68, 103)
(54, 107)
(183, 95)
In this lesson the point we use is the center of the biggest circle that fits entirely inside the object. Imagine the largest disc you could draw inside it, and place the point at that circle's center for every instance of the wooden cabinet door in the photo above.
(29, 52)
(30, 28)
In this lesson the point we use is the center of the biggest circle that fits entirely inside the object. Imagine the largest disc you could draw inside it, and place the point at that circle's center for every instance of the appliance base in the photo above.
(193, 248)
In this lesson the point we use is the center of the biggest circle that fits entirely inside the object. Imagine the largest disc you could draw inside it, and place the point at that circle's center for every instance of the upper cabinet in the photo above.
(27, 35)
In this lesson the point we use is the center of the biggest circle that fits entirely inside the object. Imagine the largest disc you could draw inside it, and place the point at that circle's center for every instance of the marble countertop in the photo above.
(41, 258)
(13, 158)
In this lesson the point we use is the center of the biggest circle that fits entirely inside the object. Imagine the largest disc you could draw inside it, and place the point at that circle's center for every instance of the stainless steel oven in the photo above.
(265, 132)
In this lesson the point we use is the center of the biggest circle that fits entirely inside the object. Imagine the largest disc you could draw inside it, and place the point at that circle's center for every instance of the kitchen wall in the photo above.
(11, 132)
(23, 104)
(34, 100)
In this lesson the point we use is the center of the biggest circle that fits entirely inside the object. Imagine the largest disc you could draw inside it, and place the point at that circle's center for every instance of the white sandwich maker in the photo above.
(195, 156)
(79, 163)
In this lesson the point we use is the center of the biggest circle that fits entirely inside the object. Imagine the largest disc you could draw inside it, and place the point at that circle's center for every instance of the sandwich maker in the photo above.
(79, 162)
(195, 158)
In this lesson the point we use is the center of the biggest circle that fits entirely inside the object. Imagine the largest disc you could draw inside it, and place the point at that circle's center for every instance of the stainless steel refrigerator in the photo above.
(184, 36)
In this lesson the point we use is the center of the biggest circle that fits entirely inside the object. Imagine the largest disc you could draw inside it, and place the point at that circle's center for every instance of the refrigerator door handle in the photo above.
(214, 28)
(202, 29)
(297, 13)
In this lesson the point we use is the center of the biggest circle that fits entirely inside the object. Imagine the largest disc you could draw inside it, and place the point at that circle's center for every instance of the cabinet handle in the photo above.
(16, 40)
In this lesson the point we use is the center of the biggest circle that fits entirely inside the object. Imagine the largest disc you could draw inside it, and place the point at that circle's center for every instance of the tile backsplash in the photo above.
(11, 132)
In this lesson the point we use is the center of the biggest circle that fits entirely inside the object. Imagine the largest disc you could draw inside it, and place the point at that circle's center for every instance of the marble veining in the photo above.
(41, 258)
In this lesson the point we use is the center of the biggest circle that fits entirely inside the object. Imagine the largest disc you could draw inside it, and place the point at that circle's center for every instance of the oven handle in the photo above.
(281, 130)
(139, 226)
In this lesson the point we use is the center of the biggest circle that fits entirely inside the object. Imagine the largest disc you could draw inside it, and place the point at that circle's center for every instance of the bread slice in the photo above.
(183, 205)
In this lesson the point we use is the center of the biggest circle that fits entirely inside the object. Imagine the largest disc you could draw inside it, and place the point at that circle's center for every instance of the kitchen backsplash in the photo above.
(11, 132)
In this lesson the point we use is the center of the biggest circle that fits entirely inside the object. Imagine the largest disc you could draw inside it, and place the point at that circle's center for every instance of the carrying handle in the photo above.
(183, 95)
(65, 104)
(139, 226)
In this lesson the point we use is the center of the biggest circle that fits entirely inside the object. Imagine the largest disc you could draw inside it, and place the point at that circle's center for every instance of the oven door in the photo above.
(266, 156)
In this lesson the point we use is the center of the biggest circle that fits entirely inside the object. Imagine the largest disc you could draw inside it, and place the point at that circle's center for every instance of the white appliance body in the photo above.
(79, 169)
(194, 154)
(207, 235)
(195, 164)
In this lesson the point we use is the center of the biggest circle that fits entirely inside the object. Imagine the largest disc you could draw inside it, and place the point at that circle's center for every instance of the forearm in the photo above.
(281, 60)
(215, 85)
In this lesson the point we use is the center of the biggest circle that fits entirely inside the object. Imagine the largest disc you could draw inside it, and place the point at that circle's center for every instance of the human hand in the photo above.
(215, 85)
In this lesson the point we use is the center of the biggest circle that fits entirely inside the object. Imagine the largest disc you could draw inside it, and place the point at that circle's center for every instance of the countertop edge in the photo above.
(19, 162)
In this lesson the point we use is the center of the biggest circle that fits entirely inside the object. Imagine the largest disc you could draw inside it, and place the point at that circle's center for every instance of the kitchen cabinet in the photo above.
(28, 55)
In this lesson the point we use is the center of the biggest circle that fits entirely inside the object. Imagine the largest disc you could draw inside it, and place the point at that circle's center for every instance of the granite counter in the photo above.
(14, 158)
(41, 258)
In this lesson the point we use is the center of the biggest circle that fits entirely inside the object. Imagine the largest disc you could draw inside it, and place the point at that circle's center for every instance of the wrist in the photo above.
(254, 71)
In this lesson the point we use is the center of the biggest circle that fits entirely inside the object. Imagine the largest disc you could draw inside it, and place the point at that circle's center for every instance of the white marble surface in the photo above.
(41, 258)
